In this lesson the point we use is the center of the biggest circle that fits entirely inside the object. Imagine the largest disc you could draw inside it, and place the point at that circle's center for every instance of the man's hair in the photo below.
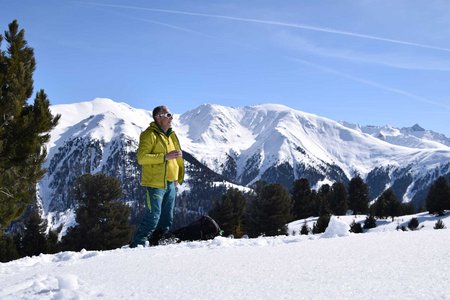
(157, 110)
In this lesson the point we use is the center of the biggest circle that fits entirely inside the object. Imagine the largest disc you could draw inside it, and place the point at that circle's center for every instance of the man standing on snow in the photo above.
(160, 156)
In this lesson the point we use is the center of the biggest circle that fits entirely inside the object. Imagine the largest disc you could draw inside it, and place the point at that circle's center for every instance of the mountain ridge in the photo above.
(241, 145)
(289, 129)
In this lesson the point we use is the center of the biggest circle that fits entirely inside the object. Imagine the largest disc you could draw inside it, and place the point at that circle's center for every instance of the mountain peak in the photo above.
(417, 127)
(273, 107)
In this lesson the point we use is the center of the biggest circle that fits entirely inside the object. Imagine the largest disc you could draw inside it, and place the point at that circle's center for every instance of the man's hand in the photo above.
(173, 154)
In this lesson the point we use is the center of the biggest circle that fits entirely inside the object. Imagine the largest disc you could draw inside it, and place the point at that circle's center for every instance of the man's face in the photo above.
(163, 118)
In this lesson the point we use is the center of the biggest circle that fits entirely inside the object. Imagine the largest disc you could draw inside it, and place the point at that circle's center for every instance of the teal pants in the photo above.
(158, 214)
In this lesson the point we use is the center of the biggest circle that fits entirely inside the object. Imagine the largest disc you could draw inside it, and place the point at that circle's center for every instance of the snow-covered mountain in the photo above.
(103, 136)
(413, 137)
(279, 144)
(226, 145)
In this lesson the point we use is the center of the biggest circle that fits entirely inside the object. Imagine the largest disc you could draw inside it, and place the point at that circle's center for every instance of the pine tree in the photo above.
(337, 199)
(438, 198)
(323, 205)
(393, 205)
(52, 242)
(305, 229)
(321, 224)
(270, 211)
(302, 199)
(356, 227)
(23, 128)
(229, 212)
(378, 208)
(413, 224)
(102, 220)
(8, 249)
(387, 205)
(439, 224)
(222, 213)
(33, 241)
(407, 209)
(370, 222)
(358, 196)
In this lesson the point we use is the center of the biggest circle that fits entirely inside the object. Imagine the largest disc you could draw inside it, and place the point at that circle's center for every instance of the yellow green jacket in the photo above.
(151, 155)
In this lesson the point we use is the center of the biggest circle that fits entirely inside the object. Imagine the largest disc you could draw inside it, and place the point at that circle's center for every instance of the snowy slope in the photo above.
(101, 115)
(413, 137)
(264, 141)
(377, 265)
(87, 135)
(276, 130)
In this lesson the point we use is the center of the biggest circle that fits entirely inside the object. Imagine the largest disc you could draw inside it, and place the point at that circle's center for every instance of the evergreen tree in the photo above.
(270, 211)
(33, 241)
(229, 212)
(356, 227)
(222, 213)
(8, 250)
(438, 198)
(387, 205)
(337, 199)
(323, 206)
(321, 224)
(305, 229)
(258, 186)
(102, 220)
(52, 242)
(370, 222)
(23, 128)
(407, 209)
(393, 206)
(358, 196)
(413, 224)
(302, 199)
(316, 202)
(439, 224)
(379, 208)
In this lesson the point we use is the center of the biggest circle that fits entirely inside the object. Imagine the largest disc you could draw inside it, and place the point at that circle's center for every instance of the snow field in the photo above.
(375, 265)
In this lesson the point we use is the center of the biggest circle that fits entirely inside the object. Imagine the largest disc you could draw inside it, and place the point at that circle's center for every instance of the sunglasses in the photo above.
(166, 115)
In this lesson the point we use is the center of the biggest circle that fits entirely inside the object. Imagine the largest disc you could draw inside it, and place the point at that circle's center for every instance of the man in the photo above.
(160, 156)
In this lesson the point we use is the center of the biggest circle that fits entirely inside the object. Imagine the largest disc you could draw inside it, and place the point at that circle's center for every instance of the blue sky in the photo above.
(372, 62)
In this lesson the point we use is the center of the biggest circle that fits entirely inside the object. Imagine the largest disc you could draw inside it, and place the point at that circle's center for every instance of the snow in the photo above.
(107, 113)
(383, 264)
(229, 185)
(65, 220)
(258, 138)
(275, 132)
(413, 137)
(336, 228)
(213, 132)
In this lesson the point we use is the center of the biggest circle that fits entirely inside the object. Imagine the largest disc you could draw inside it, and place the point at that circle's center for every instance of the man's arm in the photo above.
(147, 143)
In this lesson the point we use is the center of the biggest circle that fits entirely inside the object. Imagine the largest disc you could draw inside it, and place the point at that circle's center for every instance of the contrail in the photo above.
(276, 23)
(162, 24)
(371, 83)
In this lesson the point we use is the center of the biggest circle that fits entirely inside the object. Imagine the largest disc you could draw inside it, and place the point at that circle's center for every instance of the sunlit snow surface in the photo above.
(380, 264)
